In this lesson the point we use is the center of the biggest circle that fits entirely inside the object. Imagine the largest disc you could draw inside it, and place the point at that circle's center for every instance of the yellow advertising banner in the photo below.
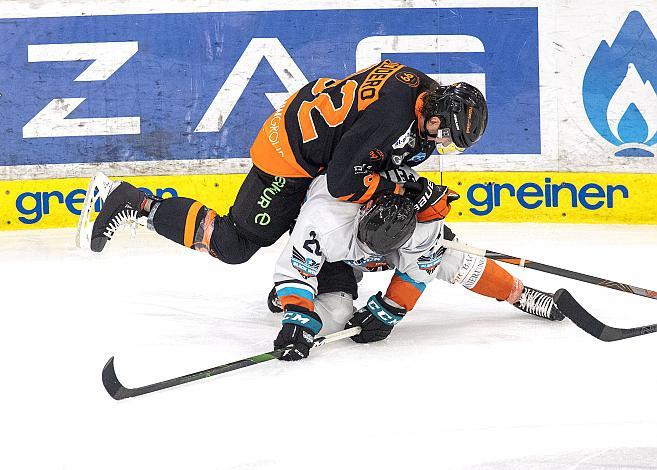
(485, 197)
(617, 198)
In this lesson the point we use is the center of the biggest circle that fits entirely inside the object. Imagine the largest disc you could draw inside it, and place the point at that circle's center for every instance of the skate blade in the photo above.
(99, 188)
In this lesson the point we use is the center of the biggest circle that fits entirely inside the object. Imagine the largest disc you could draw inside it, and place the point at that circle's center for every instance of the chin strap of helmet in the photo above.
(428, 146)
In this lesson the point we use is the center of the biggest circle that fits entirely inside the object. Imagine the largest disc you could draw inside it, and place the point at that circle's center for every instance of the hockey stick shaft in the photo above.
(587, 322)
(546, 268)
(117, 391)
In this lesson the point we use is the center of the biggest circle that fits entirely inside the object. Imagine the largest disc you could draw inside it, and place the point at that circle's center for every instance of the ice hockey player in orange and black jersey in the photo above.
(350, 129)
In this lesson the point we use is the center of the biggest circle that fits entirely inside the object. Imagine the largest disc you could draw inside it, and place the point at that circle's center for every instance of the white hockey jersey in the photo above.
(326, 231)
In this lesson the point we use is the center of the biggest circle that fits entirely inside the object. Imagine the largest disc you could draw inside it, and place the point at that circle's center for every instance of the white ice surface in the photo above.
(463, 381)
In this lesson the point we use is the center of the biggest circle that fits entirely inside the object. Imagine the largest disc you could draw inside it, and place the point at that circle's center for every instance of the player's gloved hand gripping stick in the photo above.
(297, 334)
(376, 319)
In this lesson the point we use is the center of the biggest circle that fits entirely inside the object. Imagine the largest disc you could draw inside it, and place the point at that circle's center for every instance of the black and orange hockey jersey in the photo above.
(350, 129)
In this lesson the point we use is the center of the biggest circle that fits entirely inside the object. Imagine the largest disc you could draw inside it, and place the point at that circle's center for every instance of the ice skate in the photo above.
(541, 304)
(273, 302)
(121, 205)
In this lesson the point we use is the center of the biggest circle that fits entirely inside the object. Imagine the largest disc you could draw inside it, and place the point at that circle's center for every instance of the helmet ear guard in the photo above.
(461, 108)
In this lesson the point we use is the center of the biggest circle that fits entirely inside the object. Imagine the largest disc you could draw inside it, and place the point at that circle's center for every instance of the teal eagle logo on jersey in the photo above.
(307, 267)
(430, 261)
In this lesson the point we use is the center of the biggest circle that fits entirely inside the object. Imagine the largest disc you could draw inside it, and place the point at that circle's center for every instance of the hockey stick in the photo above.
(587, 322)
(525, 263)
(119, 392)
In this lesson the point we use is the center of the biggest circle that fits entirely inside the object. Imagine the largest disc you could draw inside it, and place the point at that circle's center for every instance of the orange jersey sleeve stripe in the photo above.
(297, 300)
(190, 224)
(495, 282)
(372, 182)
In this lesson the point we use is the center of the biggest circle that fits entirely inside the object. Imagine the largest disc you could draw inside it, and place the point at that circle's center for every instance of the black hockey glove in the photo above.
(431, 201)
(376, 319)
(297, 334)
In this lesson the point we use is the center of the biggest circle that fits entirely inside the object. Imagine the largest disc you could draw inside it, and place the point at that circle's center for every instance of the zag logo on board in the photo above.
(618, 91)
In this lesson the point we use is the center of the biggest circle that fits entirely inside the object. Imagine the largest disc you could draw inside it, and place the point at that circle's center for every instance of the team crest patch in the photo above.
(430, 261)
(408, 78)
(307, 267)
(376, 155)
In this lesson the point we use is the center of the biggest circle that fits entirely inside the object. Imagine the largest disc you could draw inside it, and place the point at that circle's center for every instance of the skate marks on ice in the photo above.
(622, 458)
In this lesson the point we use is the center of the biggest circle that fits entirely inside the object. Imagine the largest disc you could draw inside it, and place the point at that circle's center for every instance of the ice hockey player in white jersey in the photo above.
(384, 233)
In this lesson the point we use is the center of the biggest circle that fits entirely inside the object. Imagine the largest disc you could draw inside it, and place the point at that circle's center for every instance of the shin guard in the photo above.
(486, 277)
(184, 221)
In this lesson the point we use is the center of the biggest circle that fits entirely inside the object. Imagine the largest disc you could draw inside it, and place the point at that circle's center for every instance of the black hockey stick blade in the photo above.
(117, 391)
(587, 322)
(111, 381)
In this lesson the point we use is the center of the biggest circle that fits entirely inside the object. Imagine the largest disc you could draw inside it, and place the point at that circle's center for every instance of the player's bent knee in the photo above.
(227, 244)
(335, 309)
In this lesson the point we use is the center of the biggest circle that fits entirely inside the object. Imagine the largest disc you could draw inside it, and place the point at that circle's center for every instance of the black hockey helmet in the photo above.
(462, 109)
(386, 223)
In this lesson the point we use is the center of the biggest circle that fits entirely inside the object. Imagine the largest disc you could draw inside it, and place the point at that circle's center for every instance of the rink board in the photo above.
(182, 87)
(486, 197)
(186, 87)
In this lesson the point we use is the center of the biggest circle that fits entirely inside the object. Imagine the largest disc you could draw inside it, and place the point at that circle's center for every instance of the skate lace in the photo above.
(536, 303)
(123, 217)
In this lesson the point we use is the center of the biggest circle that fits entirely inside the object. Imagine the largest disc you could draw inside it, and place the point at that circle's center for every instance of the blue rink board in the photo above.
(184, 59)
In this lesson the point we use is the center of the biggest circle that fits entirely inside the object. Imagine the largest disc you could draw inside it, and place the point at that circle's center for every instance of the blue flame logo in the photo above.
(618, 92)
